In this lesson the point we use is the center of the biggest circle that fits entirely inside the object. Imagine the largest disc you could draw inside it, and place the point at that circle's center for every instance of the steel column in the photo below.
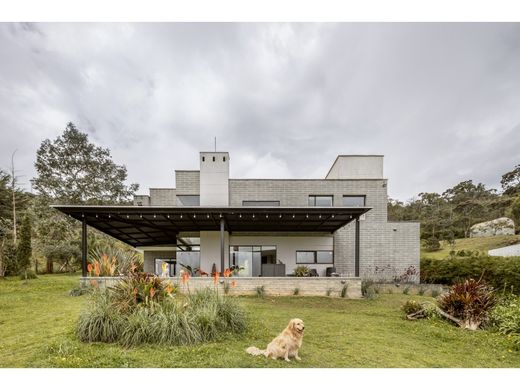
(222, 223)
(84, 247)
(356, 258)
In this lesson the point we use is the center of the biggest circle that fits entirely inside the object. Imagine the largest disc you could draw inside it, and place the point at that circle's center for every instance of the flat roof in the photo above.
(154, 225)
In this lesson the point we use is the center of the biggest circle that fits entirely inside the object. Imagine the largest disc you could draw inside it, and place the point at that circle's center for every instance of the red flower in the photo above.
(152, 292)
(227, 273)
(89, 268)
(216, 277)
(185, 277)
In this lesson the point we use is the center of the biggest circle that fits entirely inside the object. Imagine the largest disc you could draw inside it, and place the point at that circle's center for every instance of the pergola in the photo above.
(151, 225)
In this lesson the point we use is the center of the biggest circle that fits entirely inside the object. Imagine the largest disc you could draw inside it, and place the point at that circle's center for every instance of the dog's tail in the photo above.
(255, 351)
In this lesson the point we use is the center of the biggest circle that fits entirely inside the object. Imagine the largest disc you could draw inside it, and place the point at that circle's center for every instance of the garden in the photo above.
(144, 322)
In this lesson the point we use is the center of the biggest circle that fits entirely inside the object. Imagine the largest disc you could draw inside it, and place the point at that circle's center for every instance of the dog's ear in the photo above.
(292, 324)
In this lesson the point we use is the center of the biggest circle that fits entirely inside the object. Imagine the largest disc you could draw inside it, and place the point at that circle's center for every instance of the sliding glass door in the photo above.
(248, 259)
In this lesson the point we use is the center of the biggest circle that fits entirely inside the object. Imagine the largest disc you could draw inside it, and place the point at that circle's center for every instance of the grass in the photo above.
(482, 244)
(38, 319)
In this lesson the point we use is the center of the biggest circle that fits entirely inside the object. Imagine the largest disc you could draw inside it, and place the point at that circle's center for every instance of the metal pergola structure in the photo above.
(151, 225)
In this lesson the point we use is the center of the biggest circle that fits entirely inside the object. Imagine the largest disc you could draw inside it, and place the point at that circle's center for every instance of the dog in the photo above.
(285, 345)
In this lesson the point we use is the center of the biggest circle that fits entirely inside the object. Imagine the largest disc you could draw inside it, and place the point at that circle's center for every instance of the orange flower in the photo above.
(97, 270)
(89, 268)
(216, 277)
(227, 273)
(185, 277)
(152, 292)
(93, 283)
(233, 284)
(169, 289)
(135, 291)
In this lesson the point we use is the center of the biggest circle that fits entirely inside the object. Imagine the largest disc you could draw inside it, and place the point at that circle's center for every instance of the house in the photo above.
(264, 227)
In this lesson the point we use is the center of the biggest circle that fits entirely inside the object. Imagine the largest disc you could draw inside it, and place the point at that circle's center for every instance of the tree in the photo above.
(72, 170)
(24, 249)
(511, 181)
(515, 211)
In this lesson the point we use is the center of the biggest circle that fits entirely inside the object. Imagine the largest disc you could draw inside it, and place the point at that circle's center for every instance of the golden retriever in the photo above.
(285, 345)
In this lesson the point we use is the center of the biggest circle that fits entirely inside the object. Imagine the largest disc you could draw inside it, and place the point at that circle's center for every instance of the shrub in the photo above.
(28, 274)
(328, 292)
(505, 318)
(469, 302)
(109, 260)
(432, 244)
(500, 272)
(302, 270)
(421, 290)
(78, 291)
(227, 287)
(343, 293)
(296, 291)
(435, 292)
(411, 306)
(177, 320)
(369, 289)
(406, 290)
(260, 291)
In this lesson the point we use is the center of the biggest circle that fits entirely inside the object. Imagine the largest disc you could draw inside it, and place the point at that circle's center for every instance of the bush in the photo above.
(302, 270)
(181, 320)
(469, 301)
(411, 306)
(505, 318)
(432, 244)
(260, 291)
(343, 293)
(296, 291)
(28, 274)
(500, 272)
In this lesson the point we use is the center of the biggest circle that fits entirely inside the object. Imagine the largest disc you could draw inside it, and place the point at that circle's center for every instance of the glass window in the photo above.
(353, 200)
(305, 257)
(324, 257)
(188, 261)
(269, 203)
(188, 200)
(165, 267)
(320, 200)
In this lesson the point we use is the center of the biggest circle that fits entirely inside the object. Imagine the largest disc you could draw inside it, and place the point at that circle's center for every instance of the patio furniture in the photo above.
(313, 272)
(330, 270)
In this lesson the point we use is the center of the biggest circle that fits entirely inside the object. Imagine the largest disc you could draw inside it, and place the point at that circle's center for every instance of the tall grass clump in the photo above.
(173, 319)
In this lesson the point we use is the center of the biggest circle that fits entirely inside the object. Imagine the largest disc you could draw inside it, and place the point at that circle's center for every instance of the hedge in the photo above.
(500, 272)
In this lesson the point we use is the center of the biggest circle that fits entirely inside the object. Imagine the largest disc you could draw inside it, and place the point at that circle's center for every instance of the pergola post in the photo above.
(222, 223)
(84, 247)
(356, 255)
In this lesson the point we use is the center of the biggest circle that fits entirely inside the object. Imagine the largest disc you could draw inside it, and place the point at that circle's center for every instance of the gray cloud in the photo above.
(441, 101)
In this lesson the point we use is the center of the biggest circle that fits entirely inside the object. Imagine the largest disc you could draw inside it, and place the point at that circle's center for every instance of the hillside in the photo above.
(482, 244)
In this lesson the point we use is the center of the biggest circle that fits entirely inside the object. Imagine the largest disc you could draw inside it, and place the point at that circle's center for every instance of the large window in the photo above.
(249, 259)
(320, 200)
(353, 200)
(314, 257)
(188, 200)
(268, 203)
(165, 267)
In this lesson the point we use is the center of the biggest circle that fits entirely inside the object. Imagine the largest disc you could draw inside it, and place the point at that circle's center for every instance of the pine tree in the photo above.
(24, 250)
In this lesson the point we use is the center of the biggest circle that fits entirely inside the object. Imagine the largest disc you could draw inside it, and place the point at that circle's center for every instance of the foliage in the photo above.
(406, 289)
(328, 292)
(296, 291)
(470, 301)
(500, 272)
(111, 260)
(81, 290)
(411, 306)
(140, 289)
(27, 274)
(511, 181)
(515, 210)
(421, 290)
(432, 244)
(24, 250)
(73, 170)
(66, 253)
(505, 318)
(192, 319)
(260, 292)
(302, 270)
(369, 288)
(343, 293)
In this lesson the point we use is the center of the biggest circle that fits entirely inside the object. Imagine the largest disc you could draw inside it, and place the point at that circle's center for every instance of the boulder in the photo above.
(496, 227)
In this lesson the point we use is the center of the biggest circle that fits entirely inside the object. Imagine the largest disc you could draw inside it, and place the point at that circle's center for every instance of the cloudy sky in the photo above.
(440, 101)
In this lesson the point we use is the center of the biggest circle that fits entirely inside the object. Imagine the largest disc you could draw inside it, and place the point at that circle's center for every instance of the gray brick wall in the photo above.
(187, 182)
(162, 197)
(381, 246)
(141, 200)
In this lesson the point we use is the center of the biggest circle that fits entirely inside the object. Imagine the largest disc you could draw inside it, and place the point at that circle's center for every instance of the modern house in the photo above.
(264, 227)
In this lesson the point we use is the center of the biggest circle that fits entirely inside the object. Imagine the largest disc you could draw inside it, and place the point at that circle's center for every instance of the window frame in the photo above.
(309, 197)
(193, 195)
(315, 256)
(170, 266)
(354, 196)
(258, 201)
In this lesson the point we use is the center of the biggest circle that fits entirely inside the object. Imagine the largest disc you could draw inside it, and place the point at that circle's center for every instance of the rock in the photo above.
(496, 227)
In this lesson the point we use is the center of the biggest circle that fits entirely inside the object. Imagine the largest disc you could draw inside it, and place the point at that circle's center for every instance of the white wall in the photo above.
(357, 167)
(214, 179)
(286, 247)
(210, 250)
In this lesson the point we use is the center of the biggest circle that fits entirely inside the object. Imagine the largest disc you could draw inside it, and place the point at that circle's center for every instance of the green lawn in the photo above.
(37, 322)
(482, 244)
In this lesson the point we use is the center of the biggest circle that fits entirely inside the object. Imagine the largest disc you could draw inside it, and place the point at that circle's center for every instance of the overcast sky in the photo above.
(440, 101)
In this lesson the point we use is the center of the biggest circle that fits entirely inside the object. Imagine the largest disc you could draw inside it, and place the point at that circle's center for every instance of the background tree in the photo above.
(515, 211)
(24, 249)
(72, 170)
(511, 181)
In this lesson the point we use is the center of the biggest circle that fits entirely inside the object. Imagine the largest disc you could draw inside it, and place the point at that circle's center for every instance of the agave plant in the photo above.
(115, 261)
(468, 303)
